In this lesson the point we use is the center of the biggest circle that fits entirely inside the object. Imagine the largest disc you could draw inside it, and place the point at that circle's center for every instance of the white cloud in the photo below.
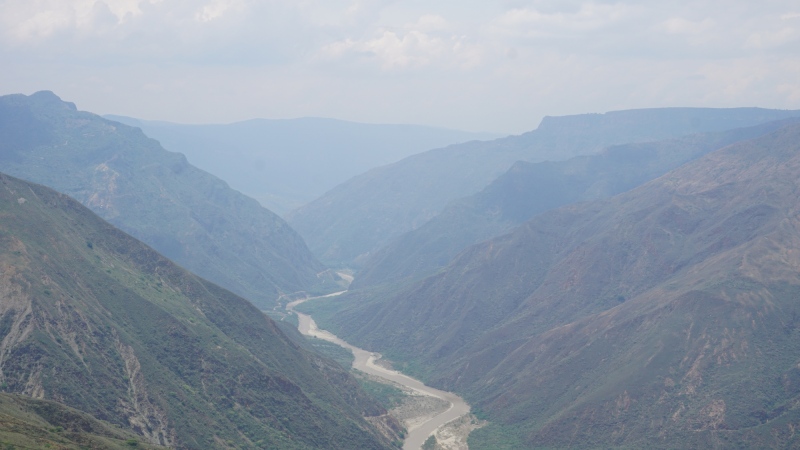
(431, 23)
(772, 39)
(533, 23)
(217, 9)
(430, 40)
(679, 25)
(408, 49)
(25, 21)
(426, 61)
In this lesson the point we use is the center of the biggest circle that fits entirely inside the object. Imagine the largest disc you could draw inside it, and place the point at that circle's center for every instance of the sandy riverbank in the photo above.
(425, 409)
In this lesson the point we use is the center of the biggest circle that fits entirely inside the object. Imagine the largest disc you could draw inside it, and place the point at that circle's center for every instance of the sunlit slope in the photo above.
(92, 318)
(663, 317)
(128, 179)
(353, 220)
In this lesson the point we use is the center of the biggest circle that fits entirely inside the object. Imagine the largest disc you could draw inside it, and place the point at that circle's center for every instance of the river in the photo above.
(365, 362)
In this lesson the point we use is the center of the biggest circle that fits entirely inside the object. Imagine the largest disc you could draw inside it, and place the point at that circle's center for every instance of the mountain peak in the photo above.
(186, 214)
(49, 98)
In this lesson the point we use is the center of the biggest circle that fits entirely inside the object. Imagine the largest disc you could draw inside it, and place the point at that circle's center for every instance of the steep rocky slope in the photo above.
(128, 179)
(96, 320)
(664, 317)
(350, 222)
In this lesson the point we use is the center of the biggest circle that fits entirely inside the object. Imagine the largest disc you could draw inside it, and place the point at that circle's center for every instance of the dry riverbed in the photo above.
(424, 411)
(416, 409)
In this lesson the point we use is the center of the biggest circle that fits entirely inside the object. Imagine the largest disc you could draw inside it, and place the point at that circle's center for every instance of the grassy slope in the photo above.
(665, 317)
(128, 179)
(96, 320)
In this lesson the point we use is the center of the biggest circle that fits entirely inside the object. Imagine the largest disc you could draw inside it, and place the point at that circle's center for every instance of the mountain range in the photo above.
(618, 280)
(528, 189)
(186, 214)
(663, 317)
(351, 222)
(95, 320)
(286, 163)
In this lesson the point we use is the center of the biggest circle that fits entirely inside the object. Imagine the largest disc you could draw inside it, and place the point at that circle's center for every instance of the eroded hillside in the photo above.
(96, 320)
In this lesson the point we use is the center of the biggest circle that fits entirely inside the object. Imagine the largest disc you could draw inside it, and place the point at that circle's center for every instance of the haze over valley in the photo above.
(382, 225)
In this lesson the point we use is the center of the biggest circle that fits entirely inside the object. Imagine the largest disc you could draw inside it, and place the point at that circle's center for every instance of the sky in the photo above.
(497, 66)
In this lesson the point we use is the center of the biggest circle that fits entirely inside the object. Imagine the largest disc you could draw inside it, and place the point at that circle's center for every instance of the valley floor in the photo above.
(425, 411)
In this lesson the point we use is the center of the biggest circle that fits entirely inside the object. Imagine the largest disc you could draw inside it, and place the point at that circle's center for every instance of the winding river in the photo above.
(365, 362)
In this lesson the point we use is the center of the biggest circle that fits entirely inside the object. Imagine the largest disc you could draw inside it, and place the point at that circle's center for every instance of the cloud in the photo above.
(428, 41)
(393, 35)
(532, 23)
(773, 38)
(408, 49)
(217, 9)
(432, 23)
(26, 21)
(679, 25)
(468, 63)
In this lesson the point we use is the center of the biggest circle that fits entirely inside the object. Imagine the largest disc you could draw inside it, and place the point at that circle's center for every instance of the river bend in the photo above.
(365, 362)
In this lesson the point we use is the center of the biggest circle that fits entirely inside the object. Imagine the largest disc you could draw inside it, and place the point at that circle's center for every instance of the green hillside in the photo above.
(96, 320)
(186, 214)
(664, 317)
(355, 219)
(27, 423)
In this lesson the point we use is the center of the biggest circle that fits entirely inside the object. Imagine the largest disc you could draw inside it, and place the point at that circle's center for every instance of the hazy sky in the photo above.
(475, 65)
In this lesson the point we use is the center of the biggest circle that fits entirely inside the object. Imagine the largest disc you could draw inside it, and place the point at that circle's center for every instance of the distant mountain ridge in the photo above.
(286, 163)
(128, 179)
(663, 317)
(528, 189)
(96, 320)
(352, 221)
